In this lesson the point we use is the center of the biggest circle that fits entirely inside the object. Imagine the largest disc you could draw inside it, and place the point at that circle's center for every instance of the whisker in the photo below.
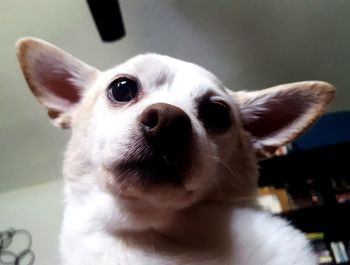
(233, 172)
(236, 175)
(215, 181)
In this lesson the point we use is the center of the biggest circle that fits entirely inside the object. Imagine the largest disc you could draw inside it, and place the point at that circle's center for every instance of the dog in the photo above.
(161, 167)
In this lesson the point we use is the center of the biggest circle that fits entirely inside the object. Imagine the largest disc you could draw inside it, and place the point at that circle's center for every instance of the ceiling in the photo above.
(248, 44)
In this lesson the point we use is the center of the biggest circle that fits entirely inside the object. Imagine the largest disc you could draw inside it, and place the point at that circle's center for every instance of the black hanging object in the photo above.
(108, 19)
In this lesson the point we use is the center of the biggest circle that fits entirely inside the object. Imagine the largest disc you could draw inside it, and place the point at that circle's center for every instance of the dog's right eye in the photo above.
(123, 89)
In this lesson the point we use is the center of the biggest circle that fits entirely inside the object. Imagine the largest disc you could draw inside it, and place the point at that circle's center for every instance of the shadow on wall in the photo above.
(277, 40)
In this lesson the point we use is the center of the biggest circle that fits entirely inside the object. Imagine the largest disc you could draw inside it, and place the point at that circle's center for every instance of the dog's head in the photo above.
(164, 131)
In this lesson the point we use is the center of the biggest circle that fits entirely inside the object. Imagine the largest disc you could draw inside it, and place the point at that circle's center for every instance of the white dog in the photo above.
(162, 167)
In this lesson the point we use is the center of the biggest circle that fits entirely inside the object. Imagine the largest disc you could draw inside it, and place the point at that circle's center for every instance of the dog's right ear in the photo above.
(56, 78)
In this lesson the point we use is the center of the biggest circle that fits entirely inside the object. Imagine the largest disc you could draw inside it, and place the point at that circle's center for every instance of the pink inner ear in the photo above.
(62, 87)
(274, 116)
(54, 78)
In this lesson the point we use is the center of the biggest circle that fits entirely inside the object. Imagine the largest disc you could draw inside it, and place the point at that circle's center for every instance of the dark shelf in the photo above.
(333, 220)
(325, 166)
(320, 163)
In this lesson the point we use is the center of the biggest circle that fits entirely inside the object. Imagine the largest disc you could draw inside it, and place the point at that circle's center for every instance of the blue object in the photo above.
(330, 129)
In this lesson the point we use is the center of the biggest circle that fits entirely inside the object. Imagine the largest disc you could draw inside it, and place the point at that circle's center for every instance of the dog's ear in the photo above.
(56, 78)
(278, 115)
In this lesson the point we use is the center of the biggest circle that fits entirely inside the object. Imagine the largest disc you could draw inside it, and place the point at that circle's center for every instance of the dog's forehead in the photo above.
(154, 70)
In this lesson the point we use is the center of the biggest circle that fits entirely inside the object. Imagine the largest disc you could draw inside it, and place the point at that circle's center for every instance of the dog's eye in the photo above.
(215, 114)
(123, 89)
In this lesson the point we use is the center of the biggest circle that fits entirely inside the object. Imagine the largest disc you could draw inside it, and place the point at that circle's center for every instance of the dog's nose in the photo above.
(166, 127)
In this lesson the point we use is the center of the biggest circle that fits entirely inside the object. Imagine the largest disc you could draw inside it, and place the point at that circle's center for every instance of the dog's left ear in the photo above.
(278, 115)
(57, 79)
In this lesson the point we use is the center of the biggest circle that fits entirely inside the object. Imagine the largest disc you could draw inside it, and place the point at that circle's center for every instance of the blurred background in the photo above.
(249, 44)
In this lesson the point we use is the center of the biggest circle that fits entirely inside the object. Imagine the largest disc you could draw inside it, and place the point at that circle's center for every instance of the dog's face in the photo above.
(164, 131)
(156, 127)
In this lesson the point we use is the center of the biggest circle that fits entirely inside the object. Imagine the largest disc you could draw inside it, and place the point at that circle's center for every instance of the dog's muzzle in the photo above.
(162, 153)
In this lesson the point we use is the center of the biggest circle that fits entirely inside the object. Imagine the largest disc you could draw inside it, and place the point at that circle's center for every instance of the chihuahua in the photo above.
(161, 167)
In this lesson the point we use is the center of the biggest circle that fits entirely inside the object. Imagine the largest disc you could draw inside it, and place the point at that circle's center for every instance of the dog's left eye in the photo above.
(123, 89)
(214, 114)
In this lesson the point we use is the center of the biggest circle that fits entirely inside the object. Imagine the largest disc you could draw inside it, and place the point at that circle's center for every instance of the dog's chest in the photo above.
(255, 238)
(114, 252)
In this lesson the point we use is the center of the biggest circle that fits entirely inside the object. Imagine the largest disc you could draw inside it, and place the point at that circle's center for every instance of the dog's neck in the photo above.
(192, 226)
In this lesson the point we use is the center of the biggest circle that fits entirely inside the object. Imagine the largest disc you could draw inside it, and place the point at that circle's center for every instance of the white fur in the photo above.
(212, 218)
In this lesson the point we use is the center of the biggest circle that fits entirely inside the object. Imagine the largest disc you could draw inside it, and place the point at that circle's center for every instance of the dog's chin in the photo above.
(156, 181)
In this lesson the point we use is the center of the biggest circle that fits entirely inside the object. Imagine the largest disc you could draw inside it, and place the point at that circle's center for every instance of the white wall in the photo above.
(37, 209)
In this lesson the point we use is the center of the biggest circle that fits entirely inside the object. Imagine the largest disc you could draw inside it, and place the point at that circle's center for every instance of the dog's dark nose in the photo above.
(167, 128)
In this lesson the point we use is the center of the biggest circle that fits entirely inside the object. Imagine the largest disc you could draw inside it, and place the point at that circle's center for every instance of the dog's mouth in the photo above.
(155, 171)
(146, 165)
